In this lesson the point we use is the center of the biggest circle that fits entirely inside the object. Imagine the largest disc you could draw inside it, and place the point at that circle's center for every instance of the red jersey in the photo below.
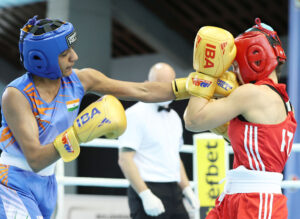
(263, 147)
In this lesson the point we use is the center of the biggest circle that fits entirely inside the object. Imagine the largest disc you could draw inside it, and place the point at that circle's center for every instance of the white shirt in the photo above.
(156, 137)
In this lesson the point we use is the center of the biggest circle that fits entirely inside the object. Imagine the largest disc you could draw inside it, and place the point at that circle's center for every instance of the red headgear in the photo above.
(258, 52)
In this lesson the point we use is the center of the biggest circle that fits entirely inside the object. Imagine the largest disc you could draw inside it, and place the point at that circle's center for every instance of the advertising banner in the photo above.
(210, 169)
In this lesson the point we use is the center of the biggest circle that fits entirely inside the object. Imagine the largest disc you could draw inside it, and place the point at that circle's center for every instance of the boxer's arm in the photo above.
(22, 123)
(93, 80)
(201, 114)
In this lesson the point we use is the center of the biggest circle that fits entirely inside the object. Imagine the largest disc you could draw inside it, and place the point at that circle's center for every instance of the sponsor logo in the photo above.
(67, 145)
(210, 154)
(223, 46)
(224, 85)
(104, 121)
(210, 53)
(198, 40)
(87, 116)
(71, 38)
(201, 82)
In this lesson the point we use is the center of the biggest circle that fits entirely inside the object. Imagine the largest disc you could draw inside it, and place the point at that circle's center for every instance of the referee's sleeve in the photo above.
(132, 136)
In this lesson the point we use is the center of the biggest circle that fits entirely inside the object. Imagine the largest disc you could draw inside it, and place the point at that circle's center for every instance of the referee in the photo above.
(149, 157)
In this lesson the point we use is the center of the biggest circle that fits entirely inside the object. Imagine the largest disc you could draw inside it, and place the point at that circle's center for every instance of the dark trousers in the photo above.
(169, 193)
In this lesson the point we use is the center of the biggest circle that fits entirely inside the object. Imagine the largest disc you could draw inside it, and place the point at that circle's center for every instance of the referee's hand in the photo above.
(191, 197)
(151, 203)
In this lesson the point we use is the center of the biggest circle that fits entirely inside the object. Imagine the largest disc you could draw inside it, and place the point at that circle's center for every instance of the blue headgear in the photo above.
(41, 42)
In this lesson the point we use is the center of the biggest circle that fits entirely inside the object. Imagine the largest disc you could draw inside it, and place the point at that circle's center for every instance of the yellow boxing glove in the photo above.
(105, 117)
(221, 130)
(179, 89)
(201, 85)
(214, 51)
(226, 84)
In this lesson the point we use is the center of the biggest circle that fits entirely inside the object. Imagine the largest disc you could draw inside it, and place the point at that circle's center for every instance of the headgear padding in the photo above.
(258, 52)
(214, 51)
(41, 42)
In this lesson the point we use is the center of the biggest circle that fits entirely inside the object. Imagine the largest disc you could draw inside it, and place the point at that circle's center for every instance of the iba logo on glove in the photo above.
(210, 53)
(105, 120)
(86, 117)
(201, 82)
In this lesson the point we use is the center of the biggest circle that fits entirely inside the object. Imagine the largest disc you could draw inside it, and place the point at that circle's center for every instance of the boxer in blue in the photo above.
(39, 115)
(39, 111)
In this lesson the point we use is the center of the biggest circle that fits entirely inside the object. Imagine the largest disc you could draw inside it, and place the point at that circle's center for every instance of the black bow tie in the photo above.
(163, 108)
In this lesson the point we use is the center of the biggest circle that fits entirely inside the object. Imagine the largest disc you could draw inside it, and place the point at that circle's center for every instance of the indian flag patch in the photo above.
(72, 104)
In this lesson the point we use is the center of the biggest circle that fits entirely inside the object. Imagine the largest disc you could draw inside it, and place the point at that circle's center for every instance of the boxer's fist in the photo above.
(214, 51)
(226, 84)
(221, 130)
(105, 117)
(201, 85)
(179, 89)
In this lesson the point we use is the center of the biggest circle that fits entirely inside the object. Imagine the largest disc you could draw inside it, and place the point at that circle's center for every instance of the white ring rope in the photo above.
(101, 182)
(123, 183)
(93, 181)
(111, 143)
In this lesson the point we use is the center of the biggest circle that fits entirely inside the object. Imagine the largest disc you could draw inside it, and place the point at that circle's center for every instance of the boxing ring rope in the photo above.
(123, 183)
(63, 180)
